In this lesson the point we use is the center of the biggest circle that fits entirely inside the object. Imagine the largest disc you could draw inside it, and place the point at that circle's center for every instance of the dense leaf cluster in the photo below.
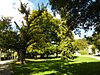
(79, 13)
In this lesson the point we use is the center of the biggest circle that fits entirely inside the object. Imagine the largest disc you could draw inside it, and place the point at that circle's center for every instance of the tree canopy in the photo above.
(81, 44)
(78, 13)
(5, 29)
(95, 39)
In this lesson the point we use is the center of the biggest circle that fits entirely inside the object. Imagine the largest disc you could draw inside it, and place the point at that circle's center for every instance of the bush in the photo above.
(83, 52)
(66, 55)
(93, 49)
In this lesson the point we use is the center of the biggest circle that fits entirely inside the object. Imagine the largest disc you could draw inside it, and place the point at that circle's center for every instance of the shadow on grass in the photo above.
(58, 66)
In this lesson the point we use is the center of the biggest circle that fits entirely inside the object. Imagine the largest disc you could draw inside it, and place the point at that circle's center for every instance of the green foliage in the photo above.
(95, 39)
(30, 31)
(7, 35)
(53, 35)
(46, 24)
(5, 23)
(84, 52)
(50, 49)
(67, 49)
(93, 48)
(78, 13)
(44, 28)
(81, 44)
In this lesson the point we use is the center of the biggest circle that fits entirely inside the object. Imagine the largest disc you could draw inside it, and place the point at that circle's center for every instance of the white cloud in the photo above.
(10, 8)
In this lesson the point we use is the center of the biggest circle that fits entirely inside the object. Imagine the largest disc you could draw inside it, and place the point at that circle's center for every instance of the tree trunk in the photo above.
(0, 55)
(22, 56)
(18, 53)
(56, 54)
(42, 56)
(47, 55)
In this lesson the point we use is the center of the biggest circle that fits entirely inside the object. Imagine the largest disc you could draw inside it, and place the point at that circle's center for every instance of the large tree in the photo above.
(47, 34)
(78, 13)
(25, 32)
(45, 29)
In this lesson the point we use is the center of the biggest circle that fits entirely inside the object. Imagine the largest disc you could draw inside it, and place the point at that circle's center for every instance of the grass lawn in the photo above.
(79, 66)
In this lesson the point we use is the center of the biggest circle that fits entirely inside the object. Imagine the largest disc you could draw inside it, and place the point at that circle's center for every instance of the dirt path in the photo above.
(5, 68)
(95, 57)
(5, 62)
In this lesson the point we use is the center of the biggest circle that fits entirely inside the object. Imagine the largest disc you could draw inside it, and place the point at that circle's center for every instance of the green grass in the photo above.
(79, 66)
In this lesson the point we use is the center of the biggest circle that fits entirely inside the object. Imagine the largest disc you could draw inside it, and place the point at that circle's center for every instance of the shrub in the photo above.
(83, 52)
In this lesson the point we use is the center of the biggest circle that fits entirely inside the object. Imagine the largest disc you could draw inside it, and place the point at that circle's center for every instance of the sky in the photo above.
(10, 8)
(88, 33)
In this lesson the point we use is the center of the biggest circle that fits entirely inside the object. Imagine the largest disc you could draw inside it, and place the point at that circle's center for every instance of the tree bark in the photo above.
(47, 55)
(42, 56)
(18, 53)
(56, 54)
(22, 56)
(0, 55)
